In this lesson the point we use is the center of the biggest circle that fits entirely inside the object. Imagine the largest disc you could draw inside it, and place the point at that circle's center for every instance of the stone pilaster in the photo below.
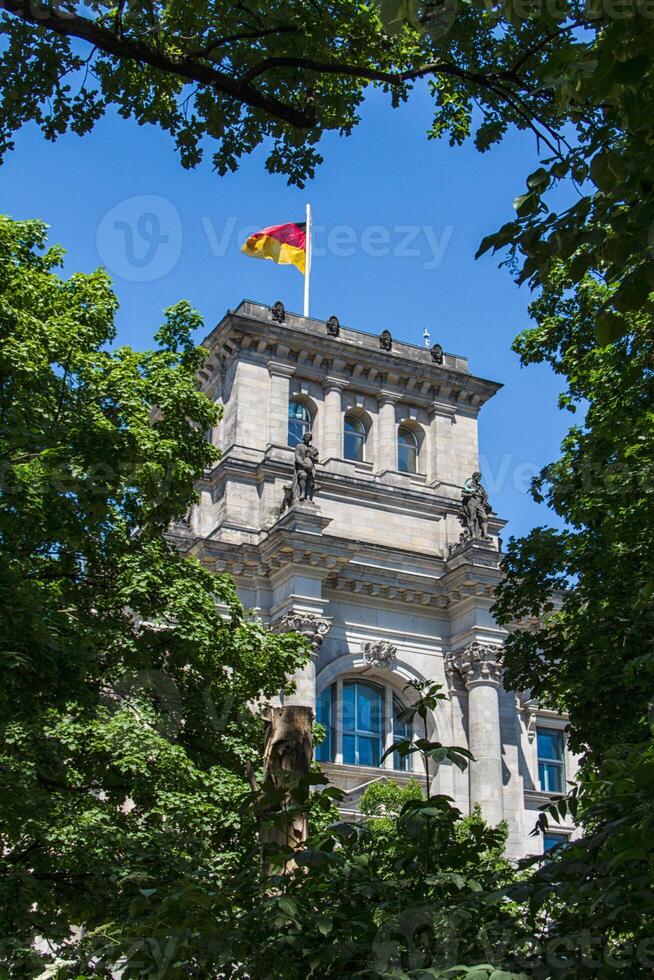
(479, 667)
(280, 374)
(332, 431)
(387, 434)
(441, 449)
(314, 628)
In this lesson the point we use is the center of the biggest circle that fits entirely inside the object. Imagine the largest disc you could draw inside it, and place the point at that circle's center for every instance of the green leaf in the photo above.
(609, 328)
(538, 180)
(288, 905)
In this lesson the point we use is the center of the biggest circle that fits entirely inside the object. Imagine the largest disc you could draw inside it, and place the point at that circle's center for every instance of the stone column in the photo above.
(332, 430)
(278, 402)
(386, 432)
(315, 628)
(479, 667)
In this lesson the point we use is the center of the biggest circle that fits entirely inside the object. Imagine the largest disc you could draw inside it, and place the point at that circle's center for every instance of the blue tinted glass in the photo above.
(349, 702)
(354, 438)
(299, 422)
(363, 723)
(324, 715)
(407, 451)
(353, 447)
(552, 840)
(369, 751)
(369, 708)
(550, 776)
(401, 730)
(349, 750)
(550, 744)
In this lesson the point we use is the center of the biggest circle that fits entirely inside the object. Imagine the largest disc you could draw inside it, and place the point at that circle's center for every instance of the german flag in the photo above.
(284, 244)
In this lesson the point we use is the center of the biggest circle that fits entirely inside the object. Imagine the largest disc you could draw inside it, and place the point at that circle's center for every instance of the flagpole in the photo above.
(307, 268)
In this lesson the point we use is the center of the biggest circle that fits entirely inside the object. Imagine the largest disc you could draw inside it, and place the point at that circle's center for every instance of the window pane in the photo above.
(349, 750)
(354, 438)
(363, 723)
(299, 422)
(369, 708)
(550, 744)
(369, 751)
(349, 714)
(353, 446)
(296, 431)
(401, 730)
(553, 840)
(550, 775)
(324, 715)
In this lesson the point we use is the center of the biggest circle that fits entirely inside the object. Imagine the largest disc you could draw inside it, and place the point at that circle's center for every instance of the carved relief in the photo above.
(379, 653)
(386, 340)
(333, 326)
(529, 708)
(314, 627)
(476, 662)
(437, 354)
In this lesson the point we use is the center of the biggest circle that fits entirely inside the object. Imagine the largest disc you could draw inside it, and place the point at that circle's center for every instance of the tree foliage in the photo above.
(128, 670)
(592, 653)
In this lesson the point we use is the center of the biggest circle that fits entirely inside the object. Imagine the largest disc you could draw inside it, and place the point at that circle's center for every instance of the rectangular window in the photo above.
(551, 769)
(550, 841)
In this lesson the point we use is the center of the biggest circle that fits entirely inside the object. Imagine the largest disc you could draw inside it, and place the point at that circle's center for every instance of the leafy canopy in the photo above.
(128, 669)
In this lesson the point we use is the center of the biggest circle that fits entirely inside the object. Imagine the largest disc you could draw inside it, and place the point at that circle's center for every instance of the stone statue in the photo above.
(437, 354)
(287, 499)
(475, 509)
(306, 460)
(333, 326)
(386, 340)
(278, 312)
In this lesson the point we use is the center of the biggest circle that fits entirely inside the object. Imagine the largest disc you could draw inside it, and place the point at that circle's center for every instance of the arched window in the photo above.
(354, 438)
(407, 450)
(299, 422)
(356, 727)
(363, 723)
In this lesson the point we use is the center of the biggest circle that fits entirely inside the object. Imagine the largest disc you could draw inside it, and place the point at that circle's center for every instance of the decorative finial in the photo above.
(427, 338)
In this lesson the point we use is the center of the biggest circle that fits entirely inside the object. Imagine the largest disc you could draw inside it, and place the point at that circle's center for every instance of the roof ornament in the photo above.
(426, 337)
(278, 313)
(437, 354)
(386, 340)
(333, 326)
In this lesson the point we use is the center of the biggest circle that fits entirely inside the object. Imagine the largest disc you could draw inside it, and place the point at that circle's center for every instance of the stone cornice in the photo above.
(345, 571)
(305, 345)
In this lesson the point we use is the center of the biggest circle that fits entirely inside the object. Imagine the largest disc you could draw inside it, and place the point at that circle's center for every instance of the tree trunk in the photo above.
(287, 756)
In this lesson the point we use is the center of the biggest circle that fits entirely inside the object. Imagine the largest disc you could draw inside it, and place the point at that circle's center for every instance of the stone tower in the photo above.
(376, 572)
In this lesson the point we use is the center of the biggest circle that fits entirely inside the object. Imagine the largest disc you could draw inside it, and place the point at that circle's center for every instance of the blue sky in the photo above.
(398, 219)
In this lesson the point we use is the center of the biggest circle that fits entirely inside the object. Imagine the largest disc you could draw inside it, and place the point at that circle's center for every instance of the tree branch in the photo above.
(244, 36)
(184, 66)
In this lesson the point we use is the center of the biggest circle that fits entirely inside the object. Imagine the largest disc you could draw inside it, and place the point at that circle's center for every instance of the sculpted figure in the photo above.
(278, 312)
(475, 508)
(437, 354)
(333, 326)
(386, 340)
(306, 460)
